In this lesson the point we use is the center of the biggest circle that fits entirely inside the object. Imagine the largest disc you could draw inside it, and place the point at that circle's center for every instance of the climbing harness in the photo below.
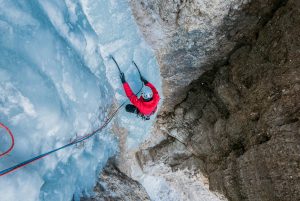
(12, 140)
(146, 117)
(76, 141)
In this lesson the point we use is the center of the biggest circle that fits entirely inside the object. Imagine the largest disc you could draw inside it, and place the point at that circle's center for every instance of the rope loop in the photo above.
(12, 140)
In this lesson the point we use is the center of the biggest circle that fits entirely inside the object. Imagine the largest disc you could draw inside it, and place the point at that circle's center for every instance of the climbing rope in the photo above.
(12, 140)
(76, 141)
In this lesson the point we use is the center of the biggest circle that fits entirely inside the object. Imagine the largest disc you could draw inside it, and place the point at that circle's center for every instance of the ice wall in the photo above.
(56, 82)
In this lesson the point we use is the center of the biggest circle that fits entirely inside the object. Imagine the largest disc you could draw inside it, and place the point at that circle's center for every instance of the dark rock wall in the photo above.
(115, 185)
(240, 121)
(190, 37)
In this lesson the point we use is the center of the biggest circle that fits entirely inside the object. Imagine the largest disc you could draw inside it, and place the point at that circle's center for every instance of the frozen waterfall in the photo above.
(56, 82)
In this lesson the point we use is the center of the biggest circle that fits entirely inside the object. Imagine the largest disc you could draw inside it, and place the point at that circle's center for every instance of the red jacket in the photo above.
(144, 107)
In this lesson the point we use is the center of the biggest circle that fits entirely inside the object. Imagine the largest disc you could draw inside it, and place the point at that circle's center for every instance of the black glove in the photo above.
(122, 77)
(144, 80)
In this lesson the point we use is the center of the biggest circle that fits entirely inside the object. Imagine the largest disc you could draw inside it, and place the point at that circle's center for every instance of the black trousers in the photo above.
(132, 109)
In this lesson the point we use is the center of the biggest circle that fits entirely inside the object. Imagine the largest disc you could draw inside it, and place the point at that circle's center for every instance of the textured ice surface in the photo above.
(56, 82)
(164, 184)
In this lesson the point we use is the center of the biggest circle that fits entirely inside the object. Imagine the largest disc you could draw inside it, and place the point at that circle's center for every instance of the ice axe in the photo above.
(116, 64)
(137, 69)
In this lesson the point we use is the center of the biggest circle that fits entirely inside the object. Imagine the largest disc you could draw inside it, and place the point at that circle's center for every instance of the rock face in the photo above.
(230, 118)
(190, 37)
(115, 185)
(239, 122)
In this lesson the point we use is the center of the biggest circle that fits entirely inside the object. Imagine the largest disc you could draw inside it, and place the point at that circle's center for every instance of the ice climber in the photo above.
(146, 105)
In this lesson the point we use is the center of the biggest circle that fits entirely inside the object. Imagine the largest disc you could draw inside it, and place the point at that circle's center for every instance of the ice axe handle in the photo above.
(116, 64)
(137, 69)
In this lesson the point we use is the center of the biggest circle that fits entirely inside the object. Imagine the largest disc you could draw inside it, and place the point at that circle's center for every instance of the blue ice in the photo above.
(57, 81)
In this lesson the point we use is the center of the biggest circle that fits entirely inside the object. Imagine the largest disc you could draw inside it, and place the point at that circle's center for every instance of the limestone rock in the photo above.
(115, 185)
(241, 120)
(190, 37)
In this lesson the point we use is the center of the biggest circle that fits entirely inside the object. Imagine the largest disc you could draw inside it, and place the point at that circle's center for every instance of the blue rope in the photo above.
(76, 141)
